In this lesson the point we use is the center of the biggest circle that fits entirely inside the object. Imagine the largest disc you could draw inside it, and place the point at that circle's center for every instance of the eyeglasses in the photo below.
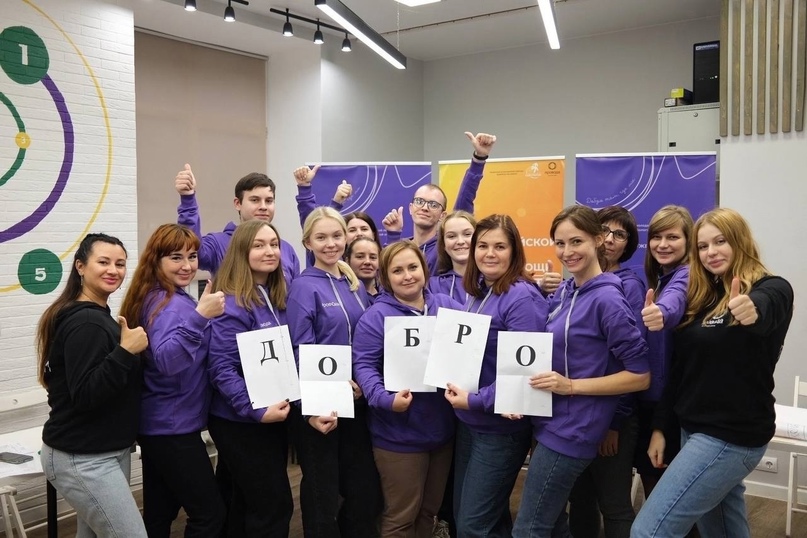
(431, 204)
(620, 236)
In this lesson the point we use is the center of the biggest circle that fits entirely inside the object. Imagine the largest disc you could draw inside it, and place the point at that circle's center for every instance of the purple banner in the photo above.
(644, 184)
(377, 188)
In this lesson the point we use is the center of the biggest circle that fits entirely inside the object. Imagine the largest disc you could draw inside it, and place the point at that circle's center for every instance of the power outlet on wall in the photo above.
(768, 464)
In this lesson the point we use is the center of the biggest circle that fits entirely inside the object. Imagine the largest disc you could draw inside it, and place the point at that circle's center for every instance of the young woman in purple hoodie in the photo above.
(251, 442)
(412, 433)
(490, 448)
(453, 252)
(667, 271)
(176, 393)
(598, 353)
(325, 303)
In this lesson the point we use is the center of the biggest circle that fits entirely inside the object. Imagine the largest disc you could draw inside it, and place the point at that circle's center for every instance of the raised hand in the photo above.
(402, 401)
(652, 316)
(132, 340)
(210, 304)
(305, 175)
(742, 308)
(343, 192)
(482, 143)
(393, 221)
(185, 183)
(277, 412)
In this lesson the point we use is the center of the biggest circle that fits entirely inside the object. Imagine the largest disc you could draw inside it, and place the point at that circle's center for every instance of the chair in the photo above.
(793, 487)
(7, 499)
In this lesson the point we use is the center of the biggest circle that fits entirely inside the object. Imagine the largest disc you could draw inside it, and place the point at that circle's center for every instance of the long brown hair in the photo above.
(46, 328)
(702, 292)
(444, 262)
(234, 276)
(149, 275)
(518, 259)
(665, 218)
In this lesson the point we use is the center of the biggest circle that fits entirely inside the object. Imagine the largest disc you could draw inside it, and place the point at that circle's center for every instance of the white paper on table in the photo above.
(791, 422)
(457, 350)
(407, 340)
(325, 373)
(521, 355)
(16, 469)
(267, 360)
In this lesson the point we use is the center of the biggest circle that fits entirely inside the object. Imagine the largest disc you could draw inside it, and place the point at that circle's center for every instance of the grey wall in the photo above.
(599, 94)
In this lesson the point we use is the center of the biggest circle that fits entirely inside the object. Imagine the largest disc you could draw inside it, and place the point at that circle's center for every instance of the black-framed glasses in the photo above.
(431, 204)
(620, 236)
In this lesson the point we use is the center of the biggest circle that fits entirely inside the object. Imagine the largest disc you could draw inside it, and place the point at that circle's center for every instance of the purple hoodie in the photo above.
(214, 245)
(594, 335)
(521, 308)
(672, 300)
(450, 284)
(176, 393)
(230, 399)
(429, 421)
(465, 201)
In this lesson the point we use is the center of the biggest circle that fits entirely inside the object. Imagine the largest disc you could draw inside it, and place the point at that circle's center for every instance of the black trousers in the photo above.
(255, 454)
(338, 467)
(177, 474)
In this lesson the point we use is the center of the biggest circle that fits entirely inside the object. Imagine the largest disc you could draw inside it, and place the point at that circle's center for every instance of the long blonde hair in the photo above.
(665, 218)
(308, 228)
(702, 292)
(234, 276)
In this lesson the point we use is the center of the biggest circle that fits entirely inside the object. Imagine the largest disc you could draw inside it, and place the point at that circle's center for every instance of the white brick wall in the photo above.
(81, 37)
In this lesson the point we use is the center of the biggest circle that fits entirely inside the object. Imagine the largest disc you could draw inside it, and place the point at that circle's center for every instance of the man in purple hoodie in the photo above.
(254, 199)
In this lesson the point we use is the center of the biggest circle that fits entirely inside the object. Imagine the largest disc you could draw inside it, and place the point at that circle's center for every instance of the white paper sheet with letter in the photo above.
(268, 363)
(407, 340)
(519, 356)
(457, 349)
(325, 373)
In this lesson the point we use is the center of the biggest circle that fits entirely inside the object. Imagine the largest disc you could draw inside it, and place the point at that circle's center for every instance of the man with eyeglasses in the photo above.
(428, 207)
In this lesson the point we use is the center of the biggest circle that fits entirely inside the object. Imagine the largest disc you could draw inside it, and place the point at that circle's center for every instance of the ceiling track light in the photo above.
(547, 8)
(356, 26)
(229, 12)
(190, 5)
(287, 29)
(318, 37)
(346, 47)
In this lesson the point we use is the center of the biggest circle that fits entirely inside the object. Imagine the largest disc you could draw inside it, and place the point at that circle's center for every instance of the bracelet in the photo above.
(480, 157)
(571, 392)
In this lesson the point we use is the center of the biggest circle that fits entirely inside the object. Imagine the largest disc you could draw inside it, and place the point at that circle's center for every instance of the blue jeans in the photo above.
(703, 484)
(486, 468)
(543, 502)
(97, 487)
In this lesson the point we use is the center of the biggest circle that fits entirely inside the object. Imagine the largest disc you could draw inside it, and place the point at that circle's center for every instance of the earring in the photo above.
(81, 279)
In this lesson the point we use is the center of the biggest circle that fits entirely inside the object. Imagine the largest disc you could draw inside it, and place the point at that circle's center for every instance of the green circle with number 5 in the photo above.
(23, 55)
(40, 271)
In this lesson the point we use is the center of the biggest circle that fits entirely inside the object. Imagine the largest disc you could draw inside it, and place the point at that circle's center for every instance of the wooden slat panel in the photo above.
(774, 55)
(787, 65)
(748, 69)
(762, 54)
(801, 57)
(724, 68)
(736, 15)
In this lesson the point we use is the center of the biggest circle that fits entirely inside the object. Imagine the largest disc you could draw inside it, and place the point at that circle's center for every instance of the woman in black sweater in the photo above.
(88, 362)
(721, 384)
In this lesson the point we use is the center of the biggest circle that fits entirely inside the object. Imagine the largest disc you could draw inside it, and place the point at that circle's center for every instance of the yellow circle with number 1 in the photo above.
(22, 140)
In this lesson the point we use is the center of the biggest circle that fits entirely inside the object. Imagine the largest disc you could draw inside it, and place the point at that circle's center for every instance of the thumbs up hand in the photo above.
(305, 175)
(551, 280)
(132, 340)
(210, 304)
(652, 316)
(393, 222)
(481, 142)
(741, 306)
(185, 183)
(343, 192)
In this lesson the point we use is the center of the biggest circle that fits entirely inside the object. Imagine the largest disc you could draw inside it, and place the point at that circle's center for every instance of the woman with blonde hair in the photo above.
(667, 271)
(453, 252)
(325, 303)
(176, 393)
(251, 442)
(721, 384)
